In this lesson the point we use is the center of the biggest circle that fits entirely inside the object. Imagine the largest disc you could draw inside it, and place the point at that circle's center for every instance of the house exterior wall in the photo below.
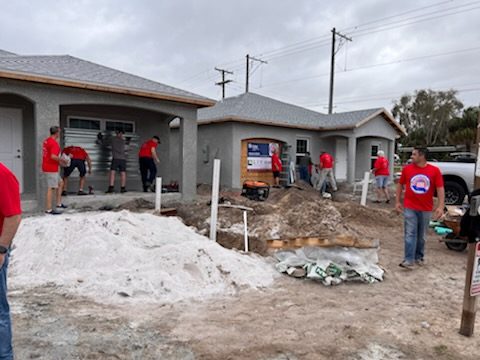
(48, 100)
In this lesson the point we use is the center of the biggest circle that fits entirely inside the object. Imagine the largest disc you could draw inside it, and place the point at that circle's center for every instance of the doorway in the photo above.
(11, 144)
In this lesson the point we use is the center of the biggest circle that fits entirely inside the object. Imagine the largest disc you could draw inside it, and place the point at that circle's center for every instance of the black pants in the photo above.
(148, 170)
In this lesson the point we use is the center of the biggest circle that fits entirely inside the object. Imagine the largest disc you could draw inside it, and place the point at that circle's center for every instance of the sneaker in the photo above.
(62, 206)
(406, 265)
(64, 193)
(52, 212)
(110, 190)
(123, 190)
(420, 262)
(81, 193)
(387, 202)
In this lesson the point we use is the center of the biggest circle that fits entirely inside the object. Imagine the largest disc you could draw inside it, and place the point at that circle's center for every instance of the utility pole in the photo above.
(223, 82)
(469, 311)
(335, 33)
(247, 72)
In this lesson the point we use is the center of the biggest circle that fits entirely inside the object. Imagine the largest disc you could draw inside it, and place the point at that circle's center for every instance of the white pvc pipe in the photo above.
(366, 179)
(245, 230)
(158, 193)
(215, 191)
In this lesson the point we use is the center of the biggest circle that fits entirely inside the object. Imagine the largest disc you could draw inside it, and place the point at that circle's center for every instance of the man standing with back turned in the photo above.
(420, 181)
(10, 215)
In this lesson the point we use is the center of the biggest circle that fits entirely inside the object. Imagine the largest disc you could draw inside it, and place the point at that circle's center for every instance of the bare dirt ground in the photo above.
(411, 315)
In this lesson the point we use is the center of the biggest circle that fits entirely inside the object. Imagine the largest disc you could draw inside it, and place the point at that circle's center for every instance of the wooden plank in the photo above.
(341, 240)
(469, 311)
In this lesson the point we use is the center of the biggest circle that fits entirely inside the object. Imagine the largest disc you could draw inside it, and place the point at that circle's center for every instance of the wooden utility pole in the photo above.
(335, 33)
(247, 70)
(469, 312)
(223, 82)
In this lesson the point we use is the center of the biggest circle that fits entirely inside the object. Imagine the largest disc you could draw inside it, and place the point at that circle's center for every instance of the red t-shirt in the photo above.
(276, 163)
(76, 152)
(420, 184)
(50, 147)
(381, 167)
(9, 195)
(326, 161)
(146, 148)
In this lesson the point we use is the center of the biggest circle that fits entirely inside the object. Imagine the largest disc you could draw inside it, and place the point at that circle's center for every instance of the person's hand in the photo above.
(399, 207)
(89, 171)
(2, 259)
(438, 213)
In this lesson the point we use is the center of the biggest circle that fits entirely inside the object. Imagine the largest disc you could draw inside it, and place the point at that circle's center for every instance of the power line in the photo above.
(247, 71)
(368, 66)
(223, 82)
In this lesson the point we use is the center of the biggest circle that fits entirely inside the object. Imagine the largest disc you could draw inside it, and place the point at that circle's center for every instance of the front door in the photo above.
(341, 159)
(11, 145)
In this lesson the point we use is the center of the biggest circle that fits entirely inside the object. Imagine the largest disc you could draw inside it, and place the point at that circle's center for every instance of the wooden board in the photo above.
(265, 176)
(340, 240)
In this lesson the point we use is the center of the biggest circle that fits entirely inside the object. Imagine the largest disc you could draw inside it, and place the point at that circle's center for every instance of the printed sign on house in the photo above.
(475, 288)
(259, 156)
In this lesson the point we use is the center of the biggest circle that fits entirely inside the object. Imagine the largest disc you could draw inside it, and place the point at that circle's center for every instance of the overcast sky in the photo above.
(179, 42)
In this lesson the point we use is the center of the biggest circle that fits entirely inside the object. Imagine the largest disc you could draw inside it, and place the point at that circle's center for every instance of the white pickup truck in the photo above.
(459, 178)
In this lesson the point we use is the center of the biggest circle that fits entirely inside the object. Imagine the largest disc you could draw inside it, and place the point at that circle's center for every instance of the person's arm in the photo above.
(398, 198)
(155, 156)
(438, 212)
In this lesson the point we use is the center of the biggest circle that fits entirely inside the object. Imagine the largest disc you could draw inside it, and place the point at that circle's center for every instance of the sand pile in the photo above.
(124, 256)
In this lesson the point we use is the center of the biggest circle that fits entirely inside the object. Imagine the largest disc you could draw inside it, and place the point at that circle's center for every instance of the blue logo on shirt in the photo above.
(420, 184)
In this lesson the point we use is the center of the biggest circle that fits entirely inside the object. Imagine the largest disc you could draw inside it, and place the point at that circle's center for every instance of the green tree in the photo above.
(426, 116)
(463, 130)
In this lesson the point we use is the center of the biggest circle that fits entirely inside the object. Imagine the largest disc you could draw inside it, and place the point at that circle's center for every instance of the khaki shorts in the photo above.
(52, 180)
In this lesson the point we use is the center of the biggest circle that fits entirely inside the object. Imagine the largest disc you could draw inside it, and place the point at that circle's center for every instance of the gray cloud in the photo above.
(180, 42)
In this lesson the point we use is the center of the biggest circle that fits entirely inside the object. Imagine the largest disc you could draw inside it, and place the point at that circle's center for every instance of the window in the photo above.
(84, 124)
(303, 146)
(373, 155)
(127, 127)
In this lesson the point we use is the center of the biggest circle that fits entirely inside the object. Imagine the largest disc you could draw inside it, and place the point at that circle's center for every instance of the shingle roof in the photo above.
(69, 68)
(254, 107)
(262, 109)
(6, 53)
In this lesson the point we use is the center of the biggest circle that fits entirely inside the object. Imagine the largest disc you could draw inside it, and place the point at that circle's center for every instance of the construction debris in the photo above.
(331, 266)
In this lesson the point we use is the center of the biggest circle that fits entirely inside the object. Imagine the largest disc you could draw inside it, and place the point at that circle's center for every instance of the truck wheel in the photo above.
(455, 245)
(454, 193)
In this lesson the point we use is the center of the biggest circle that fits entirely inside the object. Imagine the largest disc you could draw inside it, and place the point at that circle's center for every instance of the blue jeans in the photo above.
(304, 175)
(6, 350)
(416, 225)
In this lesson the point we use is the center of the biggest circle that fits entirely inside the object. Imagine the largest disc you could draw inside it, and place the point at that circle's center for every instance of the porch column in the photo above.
(351, 160)
(188, 157)
(47, 114)
(391, 152)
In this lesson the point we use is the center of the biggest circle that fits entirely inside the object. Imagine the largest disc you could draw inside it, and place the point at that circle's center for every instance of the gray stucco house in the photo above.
(85, 98)
(236, 127)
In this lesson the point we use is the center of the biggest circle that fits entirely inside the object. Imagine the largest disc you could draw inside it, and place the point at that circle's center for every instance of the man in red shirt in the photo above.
(382, 173)
(10, 216)
(78, 157)
(147, 157)
(276, 167)
(50, 165)
(420, 181)
(326, 172)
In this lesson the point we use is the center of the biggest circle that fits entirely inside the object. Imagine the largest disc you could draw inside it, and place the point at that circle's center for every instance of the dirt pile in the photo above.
(293, 212)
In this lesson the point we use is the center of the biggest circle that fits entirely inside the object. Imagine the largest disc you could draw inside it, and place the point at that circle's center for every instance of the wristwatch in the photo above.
(3, 250)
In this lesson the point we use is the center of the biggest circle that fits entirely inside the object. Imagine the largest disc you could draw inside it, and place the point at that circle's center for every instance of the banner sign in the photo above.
(475, 288)
(259, 156)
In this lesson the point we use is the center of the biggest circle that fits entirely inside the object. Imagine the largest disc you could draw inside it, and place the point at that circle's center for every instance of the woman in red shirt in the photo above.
(382, 174)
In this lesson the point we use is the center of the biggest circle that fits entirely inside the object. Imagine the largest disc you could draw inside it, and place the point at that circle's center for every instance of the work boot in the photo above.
(123, 190)
(110, 190)
(64, 193)
(81, 192)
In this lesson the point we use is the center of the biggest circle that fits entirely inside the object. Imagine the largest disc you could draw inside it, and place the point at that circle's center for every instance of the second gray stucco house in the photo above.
(233, 126)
